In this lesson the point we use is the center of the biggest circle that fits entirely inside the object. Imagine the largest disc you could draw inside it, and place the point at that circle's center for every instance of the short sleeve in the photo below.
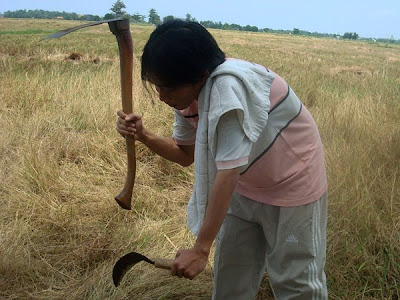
(233, 146)
(184, 133)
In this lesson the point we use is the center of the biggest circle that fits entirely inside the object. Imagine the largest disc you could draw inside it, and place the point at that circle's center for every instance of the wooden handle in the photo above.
(163, 263)
(122, 32)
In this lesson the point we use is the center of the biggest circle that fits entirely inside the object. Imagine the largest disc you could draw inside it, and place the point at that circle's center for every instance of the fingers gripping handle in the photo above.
(125, 46)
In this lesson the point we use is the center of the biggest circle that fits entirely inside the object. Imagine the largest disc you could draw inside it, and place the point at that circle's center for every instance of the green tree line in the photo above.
(44, 14)
(118, 10)
(350, 35)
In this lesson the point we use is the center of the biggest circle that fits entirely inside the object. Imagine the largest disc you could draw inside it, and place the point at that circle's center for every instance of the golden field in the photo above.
(62, 162)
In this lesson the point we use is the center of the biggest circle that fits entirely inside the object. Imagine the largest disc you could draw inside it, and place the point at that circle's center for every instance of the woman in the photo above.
(260, 185)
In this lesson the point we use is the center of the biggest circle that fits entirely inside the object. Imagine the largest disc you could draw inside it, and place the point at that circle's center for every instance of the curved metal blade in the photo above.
(125, 263)
(68, 30)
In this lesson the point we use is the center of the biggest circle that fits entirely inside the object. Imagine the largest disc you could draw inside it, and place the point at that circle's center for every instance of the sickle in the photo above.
(69, 30)
(129, 260)
(120, 28)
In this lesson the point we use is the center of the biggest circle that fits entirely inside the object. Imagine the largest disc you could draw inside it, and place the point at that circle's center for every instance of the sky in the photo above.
(368, 18)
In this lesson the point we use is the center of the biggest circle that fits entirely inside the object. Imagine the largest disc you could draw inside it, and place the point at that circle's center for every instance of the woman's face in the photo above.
(179, 97)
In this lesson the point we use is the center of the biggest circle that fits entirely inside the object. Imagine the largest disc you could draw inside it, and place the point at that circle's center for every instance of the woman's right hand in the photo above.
(130, 124)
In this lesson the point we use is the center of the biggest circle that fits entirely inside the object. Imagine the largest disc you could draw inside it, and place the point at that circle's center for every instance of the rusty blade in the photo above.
(125, 263)
(69, 30)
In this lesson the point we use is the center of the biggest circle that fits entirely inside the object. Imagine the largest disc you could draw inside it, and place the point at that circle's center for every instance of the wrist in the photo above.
(144, 136)
(202, 248)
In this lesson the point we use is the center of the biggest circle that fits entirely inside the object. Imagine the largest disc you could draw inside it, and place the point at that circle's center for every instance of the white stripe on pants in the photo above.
(288, 242)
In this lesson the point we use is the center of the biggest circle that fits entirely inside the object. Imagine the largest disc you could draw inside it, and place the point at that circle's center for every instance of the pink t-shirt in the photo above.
(286, 171)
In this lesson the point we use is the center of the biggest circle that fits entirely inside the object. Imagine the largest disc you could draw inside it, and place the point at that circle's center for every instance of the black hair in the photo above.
(180, 52)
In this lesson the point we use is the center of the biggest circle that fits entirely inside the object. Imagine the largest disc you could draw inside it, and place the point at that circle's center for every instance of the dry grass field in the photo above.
(62, 161)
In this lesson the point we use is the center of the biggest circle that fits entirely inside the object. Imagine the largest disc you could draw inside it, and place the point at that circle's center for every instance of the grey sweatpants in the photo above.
(288, 242)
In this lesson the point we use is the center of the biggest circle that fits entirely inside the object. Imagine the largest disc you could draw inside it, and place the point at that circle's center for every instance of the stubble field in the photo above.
(62, 161)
